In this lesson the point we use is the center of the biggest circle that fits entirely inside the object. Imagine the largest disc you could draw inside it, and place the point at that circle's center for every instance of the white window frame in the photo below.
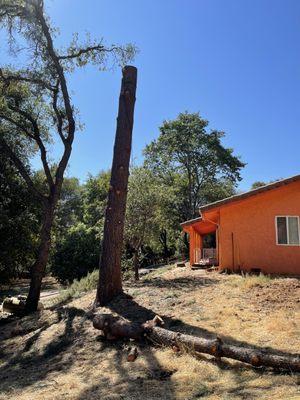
(288, 239)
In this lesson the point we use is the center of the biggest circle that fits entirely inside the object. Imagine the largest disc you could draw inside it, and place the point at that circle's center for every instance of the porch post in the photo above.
(192, 246)
(198, 246)
(195, 244)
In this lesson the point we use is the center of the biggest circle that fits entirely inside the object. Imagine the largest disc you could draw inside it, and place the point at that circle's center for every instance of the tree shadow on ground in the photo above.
(184, 283)
(151, 381)
(129, 309)
(157, 383)
(28, 365)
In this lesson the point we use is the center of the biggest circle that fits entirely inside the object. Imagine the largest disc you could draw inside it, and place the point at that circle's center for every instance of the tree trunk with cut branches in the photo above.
(116, 327)
(110, 281)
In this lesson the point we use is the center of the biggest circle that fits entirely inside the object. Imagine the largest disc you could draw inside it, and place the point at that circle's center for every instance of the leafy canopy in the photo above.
(188, 153)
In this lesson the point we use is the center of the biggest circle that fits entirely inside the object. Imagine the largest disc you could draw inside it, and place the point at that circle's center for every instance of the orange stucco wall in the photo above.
(247, 233)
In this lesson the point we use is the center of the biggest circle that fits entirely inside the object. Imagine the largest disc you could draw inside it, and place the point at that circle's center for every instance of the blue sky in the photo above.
(237, 62)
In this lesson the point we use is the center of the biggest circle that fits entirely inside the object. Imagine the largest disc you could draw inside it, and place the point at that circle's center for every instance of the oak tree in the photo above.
(36, 105)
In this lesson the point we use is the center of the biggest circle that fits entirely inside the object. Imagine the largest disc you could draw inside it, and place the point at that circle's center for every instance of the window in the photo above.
(287, 230)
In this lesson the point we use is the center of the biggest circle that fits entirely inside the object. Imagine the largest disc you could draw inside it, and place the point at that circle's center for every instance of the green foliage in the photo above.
(193, 161)
(36, 110)
(70, 208)
(78, 227)
(19, 223)
(257, 184)
(95, 193)
(143, 200)
(76, 254)
(79, 287)
(149, 233)
(159, 198)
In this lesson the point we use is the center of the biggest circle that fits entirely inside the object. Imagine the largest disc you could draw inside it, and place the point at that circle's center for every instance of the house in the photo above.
(253, 231)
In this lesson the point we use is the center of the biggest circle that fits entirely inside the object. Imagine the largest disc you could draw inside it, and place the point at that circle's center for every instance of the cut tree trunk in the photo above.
(110, 283)
(39, 266)
(119, 328)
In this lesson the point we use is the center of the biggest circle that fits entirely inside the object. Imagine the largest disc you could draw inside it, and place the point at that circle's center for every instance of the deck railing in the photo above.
(209, 253)
(205, 255)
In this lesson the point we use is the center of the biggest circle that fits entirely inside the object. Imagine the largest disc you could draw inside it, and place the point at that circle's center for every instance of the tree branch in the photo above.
(18, 125)
(21, 78)
(22, 169)
(58, 114)
(38, 140)
(86, 50)
(62, 80)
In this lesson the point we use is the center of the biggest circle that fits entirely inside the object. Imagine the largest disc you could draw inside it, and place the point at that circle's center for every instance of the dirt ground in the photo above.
(58, 355)
(50, 288)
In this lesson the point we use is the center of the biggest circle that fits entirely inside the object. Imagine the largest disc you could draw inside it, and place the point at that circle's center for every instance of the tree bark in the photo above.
(136, 265)
(116, 327)
(39, 266)
(110, 282)
(217, 348)
(163, 238)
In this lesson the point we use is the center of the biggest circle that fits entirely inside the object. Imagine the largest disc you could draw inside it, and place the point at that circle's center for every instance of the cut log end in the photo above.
(132, 354)
(115, 327)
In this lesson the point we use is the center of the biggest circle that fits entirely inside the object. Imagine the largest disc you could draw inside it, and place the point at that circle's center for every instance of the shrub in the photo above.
(76, 255)
(78, 287)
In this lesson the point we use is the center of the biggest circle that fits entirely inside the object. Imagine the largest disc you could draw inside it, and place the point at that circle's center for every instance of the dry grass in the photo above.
(249, 281)
(78, 288)
(68, 359)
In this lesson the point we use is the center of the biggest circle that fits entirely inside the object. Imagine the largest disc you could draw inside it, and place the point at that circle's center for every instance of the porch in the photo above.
(203, 242)
(205, 257)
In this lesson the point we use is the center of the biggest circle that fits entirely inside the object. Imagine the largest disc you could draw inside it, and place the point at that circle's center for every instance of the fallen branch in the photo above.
(116, 327)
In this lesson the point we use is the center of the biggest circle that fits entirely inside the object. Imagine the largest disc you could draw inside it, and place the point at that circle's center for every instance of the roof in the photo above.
(242, 196)
(191, 221)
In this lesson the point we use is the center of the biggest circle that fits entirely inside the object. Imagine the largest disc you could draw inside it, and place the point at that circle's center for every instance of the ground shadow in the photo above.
(184, 283)
(151, 382)
(131, 310)
(28, 366)
(135, 312)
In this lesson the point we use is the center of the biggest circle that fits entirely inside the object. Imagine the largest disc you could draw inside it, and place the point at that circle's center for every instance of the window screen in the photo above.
(293, 230)
(281, 230)
(288, 230)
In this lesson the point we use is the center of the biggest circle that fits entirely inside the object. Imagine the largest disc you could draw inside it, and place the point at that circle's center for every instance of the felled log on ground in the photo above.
(16, 305)
(116, 327)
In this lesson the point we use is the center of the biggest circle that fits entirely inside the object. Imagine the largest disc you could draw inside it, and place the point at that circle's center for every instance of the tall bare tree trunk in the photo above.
(110, 281)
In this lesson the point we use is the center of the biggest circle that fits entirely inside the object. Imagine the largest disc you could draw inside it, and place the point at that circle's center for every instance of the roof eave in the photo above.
(191, 221)
(250, 193)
